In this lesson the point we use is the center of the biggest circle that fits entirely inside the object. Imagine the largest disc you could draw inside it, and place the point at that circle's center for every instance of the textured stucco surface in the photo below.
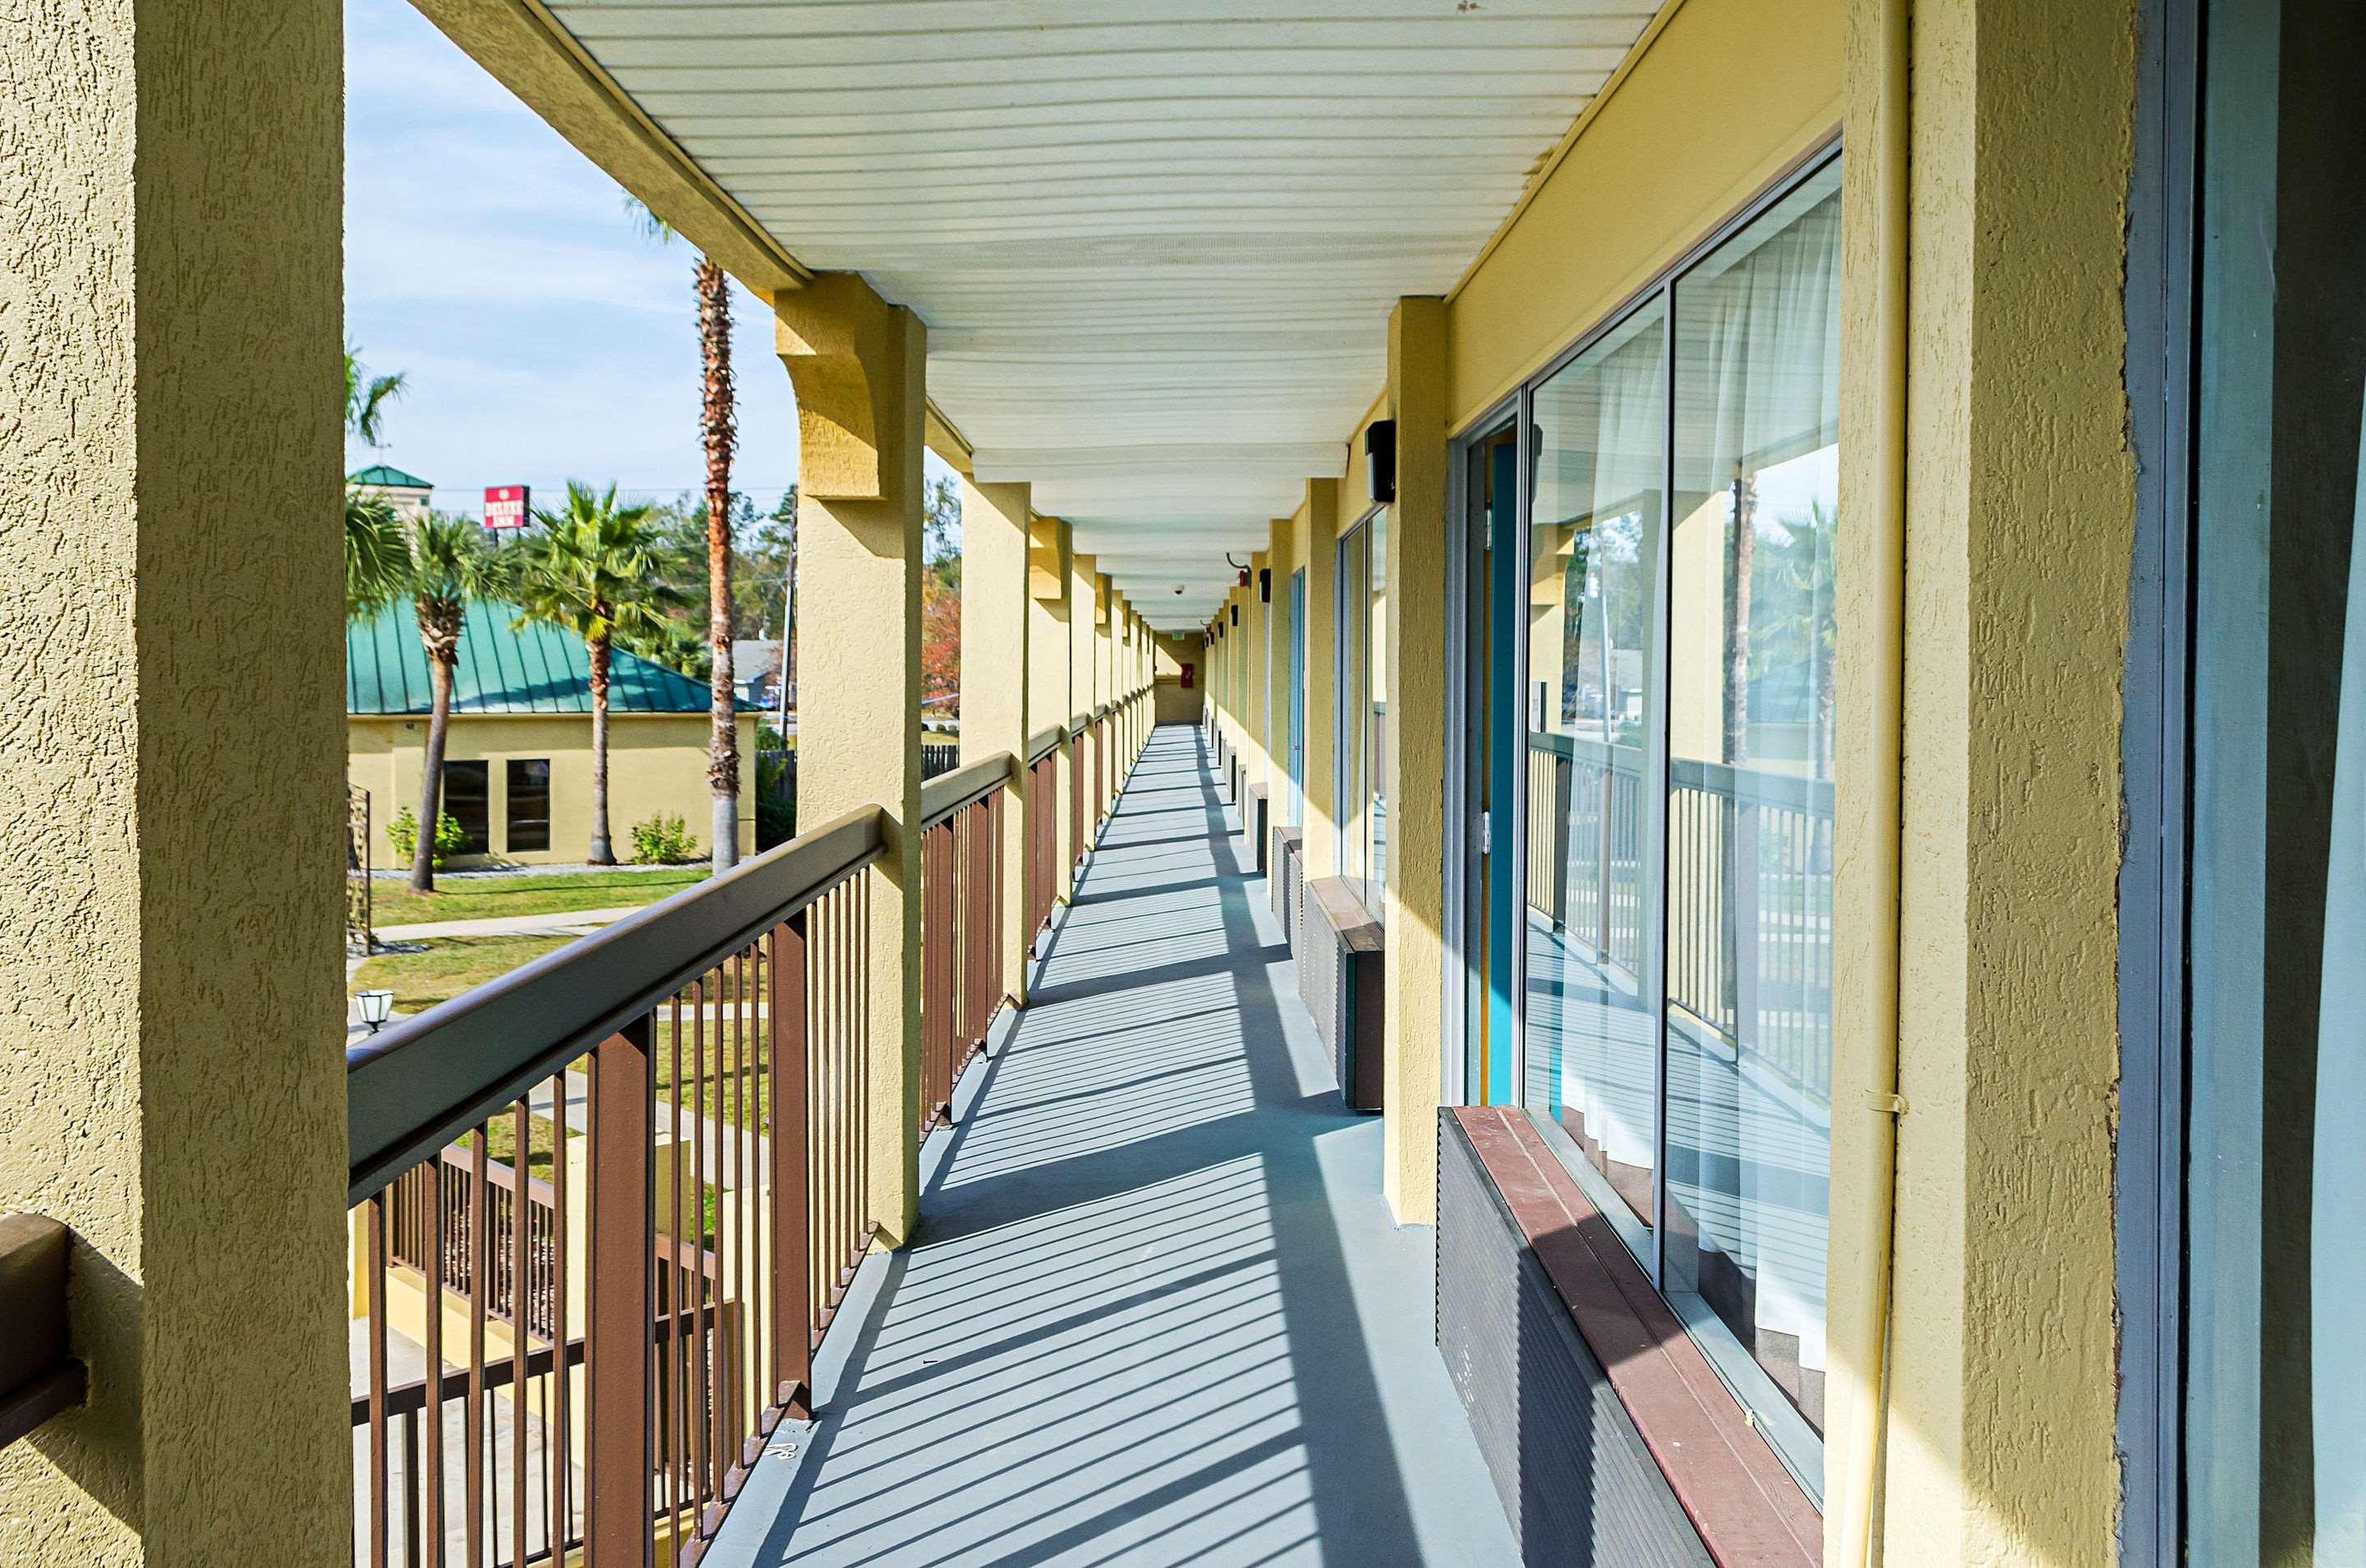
(1313, 534)
(169, 870)
(994, 622)
(1414, 1039)
(2020, 502)
(858, 367)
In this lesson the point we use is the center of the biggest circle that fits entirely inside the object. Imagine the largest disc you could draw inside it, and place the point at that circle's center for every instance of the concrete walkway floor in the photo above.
(1157, 1312)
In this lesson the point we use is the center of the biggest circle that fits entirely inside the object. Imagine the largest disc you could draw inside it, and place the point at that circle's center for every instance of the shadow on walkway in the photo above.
(1157, 1312)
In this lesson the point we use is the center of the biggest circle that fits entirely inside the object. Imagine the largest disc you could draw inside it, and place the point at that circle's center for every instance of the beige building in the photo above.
(517, 766)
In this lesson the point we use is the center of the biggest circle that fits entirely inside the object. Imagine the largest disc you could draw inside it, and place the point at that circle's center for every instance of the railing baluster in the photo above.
(479, 1287)
(374, 1220)
(617, 1505)
(793, 1280)
(557, 1491)
(521, 1324)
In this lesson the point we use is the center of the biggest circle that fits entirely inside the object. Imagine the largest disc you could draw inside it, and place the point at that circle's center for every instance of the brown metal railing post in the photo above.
(618, 1504)
(791, 1161)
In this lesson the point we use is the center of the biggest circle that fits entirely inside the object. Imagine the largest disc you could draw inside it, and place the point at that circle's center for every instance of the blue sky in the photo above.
(544, 337)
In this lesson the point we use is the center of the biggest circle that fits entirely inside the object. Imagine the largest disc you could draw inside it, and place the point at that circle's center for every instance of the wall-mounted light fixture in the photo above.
(1237, 610)
(1265, 585)
(1380, 459)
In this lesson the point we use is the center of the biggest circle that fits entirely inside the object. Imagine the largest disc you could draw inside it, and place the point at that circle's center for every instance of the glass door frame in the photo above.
(1507, 656)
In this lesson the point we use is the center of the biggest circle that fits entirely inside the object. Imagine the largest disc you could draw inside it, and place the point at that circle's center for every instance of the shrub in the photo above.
(662, 841)
(403, 834)
(776, 821)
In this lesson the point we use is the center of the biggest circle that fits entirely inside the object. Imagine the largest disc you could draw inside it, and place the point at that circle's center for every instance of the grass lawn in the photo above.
(448, 966)
(730, 1091)
(485, 897)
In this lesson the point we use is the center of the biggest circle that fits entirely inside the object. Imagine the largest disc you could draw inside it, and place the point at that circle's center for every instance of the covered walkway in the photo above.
(1157, 1311)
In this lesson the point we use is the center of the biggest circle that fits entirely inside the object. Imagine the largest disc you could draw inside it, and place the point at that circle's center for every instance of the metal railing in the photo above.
(1749, 889)
(693, 1082)
(1043, 871)
(961, 924)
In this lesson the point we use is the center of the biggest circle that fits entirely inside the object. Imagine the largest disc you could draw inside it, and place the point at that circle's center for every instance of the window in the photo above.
(466, 800)
(1660, 514)
(2273, 998)
(529, 804)
(1363, 710)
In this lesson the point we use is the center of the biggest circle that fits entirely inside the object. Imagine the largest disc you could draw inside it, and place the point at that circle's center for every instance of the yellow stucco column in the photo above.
(1415, 631)
(173, 776)
(1315, 529)
(1051, 651)
(1280, 563)
(995, 620)
(859, 367)
(2018, 501)
(1256, 626)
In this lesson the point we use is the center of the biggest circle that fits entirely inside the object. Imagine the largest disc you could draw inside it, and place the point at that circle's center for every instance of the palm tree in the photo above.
(719, 429)
(596, 568)
(377, 551)
(445, 562)
(366, 397)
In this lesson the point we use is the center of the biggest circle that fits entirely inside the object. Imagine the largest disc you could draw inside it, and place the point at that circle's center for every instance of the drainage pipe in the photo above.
(1866, 1243)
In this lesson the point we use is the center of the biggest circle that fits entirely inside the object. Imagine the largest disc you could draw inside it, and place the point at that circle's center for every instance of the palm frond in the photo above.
(376, 554)
(366, 397)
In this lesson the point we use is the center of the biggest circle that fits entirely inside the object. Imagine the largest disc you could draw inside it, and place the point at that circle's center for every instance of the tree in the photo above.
(595, 569)
(941, 592)
(718, 432)
(445, 563)
(366, 397)
(377, 551)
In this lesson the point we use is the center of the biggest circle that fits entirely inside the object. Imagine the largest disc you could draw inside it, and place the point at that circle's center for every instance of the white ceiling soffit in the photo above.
(1155, 242)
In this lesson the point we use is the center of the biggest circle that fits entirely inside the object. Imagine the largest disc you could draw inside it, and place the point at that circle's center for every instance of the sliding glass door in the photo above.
(1652, 563)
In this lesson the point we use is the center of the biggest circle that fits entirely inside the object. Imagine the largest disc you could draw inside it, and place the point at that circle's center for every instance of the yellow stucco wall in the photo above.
(170, 797)
(657, 767)
(2019, 507)
(1729, 93)
(1172, 704)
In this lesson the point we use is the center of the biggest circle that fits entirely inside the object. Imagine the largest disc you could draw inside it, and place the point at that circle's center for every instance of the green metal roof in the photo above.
(386, 474)
(503, 667)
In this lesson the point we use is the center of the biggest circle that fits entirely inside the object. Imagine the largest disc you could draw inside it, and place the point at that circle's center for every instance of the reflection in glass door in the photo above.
(1590, 1063)
(1653, 561)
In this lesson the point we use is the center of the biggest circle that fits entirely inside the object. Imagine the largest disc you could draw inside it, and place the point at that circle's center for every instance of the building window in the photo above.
(529, 804)
(2272, 550)
(466, 800)
(1362, 740)
(1655, 939)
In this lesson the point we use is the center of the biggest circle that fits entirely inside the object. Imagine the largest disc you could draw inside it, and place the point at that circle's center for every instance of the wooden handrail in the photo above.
(38, 1379)
(428, 1078)
(1044, 742)
(943, 795)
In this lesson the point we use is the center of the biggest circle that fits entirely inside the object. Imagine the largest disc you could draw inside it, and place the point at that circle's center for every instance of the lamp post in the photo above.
(376, 1008)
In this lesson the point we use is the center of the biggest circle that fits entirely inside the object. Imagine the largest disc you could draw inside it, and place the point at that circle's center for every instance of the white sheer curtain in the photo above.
(2337, 1211)
(1758, 331)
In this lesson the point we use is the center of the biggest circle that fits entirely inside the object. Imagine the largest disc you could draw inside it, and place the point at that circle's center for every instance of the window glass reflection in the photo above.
(1592, 900)
(1751, 641)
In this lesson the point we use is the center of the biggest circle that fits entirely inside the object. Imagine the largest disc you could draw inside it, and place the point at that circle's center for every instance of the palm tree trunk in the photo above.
(600, 853)
(431, 779)
(716, 427)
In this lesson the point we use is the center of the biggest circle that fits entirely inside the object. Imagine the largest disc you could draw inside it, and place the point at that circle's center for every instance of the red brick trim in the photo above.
(1744, 1504)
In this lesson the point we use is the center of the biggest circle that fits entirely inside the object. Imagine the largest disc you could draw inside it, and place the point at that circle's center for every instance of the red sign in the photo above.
(1189, 671)
(506, 506)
